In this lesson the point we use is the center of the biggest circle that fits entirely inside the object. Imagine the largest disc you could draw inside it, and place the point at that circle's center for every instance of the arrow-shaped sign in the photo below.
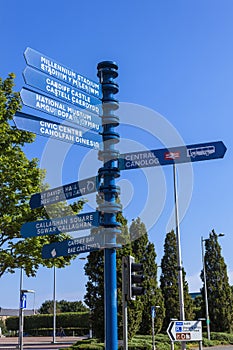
(60, 225)
(61, 110)
(169, 331)
(60, 132)
(51, 67)
(166, 156)
(61, 90)
(65, 192)
(73, 246)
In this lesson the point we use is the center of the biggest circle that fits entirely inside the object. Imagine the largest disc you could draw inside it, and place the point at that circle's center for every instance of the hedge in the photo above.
(70, 321)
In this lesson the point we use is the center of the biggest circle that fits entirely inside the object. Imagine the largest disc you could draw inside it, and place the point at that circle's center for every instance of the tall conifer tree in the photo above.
(144, 252)
(169, 283)
(218, 288)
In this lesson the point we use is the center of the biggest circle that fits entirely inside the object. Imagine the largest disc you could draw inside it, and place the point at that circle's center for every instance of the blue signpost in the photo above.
(60, 132)
(74, 246)
(60, 225)
(65, 192)
(63, 91)
(50, 67)
(61, 110)
(173, 155)
(107, 72)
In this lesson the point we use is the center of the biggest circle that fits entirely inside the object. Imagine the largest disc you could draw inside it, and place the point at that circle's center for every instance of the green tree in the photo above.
(169, 283)
(62, 306)
(94, 297)
(94, 269)
(144, 252)
(218, 288)
(19, 178)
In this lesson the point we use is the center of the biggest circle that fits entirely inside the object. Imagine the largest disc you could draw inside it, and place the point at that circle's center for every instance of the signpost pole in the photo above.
(179, 260)
(54, 304)
(107, 71)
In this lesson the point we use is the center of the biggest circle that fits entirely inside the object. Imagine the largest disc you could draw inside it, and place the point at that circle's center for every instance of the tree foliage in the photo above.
(62, 306)
(218, 288)
(144, 252)
(169, 283)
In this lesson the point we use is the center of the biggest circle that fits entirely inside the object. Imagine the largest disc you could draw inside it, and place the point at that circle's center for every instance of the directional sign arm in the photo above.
(60, 225)
(171, 155)
(65, 192)
(57, 131)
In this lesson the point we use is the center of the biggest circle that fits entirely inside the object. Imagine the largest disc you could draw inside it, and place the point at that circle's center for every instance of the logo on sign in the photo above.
(178, 329)
(200, 151)
(171, 155)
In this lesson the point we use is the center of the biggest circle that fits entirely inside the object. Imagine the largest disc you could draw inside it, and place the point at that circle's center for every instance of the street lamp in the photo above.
(205, 284)
(153, 315)
(22, 307)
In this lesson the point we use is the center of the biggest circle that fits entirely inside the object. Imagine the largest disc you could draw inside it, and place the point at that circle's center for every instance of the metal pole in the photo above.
(124, 308)
(179, 260)
(20, 311)
(153, 333)
(205, 290)
(107, 71)
(54, 304)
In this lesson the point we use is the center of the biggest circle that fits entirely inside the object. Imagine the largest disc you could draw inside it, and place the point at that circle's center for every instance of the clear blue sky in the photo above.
(174, 57)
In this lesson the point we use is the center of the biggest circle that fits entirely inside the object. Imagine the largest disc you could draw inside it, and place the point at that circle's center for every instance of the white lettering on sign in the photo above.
(63, 73)
(65, 92)
(141, 160)
(83, 248)
(64, 224)
(64, 111)
(59, 131)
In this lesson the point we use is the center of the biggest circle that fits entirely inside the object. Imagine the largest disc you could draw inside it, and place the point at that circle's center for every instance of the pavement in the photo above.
(38, 343)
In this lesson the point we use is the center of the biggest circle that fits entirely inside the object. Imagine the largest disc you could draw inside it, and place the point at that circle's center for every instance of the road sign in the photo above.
(65, 192)
(49, 66)
(58, 225)
(73, 246)
(166, 156)
(185, 331)
(23, 301)
(61, 90)
(61, 132)
(61, 110)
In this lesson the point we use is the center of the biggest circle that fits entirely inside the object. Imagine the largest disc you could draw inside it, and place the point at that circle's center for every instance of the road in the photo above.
(38, 343)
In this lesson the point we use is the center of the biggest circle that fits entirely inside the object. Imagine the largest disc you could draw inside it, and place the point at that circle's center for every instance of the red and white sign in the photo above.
(172, 155)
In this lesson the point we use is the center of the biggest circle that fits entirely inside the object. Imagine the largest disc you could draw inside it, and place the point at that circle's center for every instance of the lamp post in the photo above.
(22, 307)
(205, 284)
(153, 315)
(179, 259)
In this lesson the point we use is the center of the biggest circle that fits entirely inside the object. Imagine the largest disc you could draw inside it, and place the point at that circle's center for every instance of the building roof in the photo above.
(15, 312)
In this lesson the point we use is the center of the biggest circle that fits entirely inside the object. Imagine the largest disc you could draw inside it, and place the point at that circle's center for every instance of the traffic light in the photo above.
(131, 280)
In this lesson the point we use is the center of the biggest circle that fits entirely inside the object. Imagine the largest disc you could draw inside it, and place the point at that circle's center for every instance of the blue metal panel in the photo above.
(167, 156)
(65, 192)
(51, 67)
(61, 90)
(58, 225)
(23, 301)
(73, 246)
(61, 132)
(61, 110)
